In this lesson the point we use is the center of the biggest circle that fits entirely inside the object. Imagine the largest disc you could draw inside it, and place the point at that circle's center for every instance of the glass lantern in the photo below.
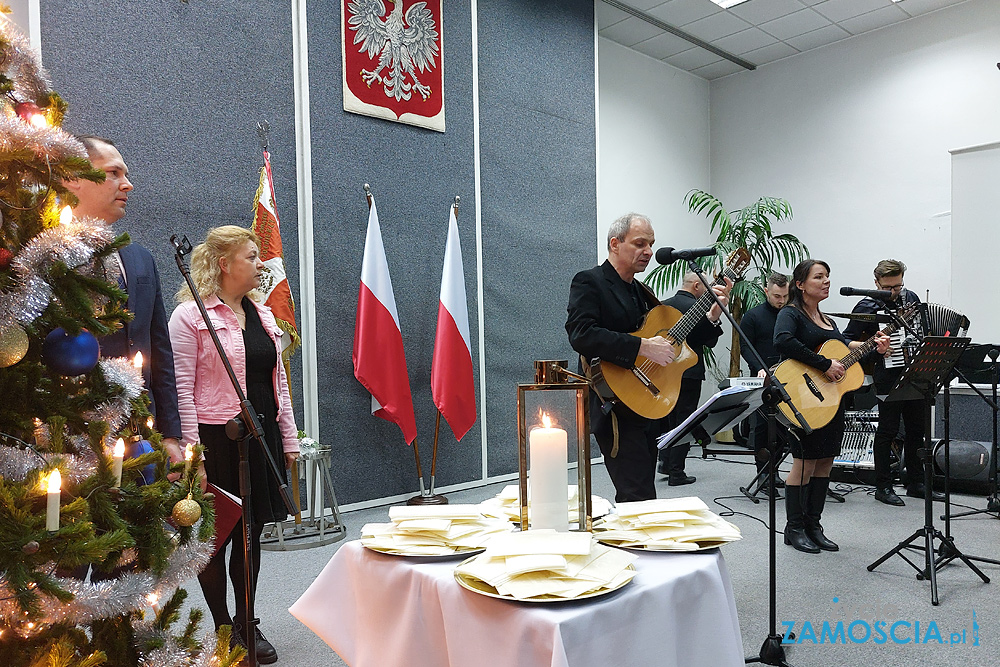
(553, 413)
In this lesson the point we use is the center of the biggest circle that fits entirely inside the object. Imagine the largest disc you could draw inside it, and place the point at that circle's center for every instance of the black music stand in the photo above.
(719, 413)
(922, 379)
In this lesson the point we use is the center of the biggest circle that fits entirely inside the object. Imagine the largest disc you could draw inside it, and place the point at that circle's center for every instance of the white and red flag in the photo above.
(451, 370)
(274, 283)
(379, 362)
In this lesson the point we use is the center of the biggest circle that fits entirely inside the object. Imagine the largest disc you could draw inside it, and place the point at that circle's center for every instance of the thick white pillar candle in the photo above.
(117, 456)
(52, 501)
(547, 488)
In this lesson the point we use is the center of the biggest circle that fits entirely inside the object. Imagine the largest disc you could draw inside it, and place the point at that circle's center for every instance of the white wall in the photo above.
(857, 135)
(653, 136)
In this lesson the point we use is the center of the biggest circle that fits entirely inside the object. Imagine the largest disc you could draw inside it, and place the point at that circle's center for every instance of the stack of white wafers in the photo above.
(667, 524)
(545, 565)
(432, 530)
(506, 504)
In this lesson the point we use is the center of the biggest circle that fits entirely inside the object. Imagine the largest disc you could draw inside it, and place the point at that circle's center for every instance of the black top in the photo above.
(602, 312)
(885, 378)
(797, 337)
(758, 326)
(705, 333)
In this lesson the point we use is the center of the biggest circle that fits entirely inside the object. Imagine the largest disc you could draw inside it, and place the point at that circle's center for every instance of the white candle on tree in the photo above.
(117, 456)
(547, 476)
(188, 456)
(52, 501)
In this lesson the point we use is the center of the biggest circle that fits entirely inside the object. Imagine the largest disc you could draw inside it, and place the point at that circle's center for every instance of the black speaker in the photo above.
(970, 464)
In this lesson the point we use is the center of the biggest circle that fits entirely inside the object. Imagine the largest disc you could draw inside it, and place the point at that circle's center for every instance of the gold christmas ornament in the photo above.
(13, 345)
(186, 512)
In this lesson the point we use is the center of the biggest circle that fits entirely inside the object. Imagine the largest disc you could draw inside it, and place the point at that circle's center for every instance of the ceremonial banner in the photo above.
(451, 369)
(379, 361)
(394, 61)
(274, 282)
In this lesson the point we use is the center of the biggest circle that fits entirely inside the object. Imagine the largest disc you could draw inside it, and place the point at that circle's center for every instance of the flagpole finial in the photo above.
(264, 132)
(368, 189)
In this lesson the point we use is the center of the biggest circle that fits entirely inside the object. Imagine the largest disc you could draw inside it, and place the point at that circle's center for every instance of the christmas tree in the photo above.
(70, 501)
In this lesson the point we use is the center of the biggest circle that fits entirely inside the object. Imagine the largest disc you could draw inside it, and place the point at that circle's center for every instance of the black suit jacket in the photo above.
(147, 333)
(602, 310)
(704, 334)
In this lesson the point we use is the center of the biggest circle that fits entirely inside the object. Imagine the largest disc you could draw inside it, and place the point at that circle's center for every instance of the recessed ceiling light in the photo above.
(726, 4)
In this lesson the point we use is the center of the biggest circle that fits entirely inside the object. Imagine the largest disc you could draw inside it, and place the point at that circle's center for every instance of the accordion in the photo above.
(931, 319)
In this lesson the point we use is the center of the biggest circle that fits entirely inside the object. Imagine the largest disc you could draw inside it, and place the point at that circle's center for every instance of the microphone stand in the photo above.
(241, 428)
(772, 652)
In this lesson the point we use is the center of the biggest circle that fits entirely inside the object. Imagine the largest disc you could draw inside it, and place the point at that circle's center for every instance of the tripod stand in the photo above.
(923, 378)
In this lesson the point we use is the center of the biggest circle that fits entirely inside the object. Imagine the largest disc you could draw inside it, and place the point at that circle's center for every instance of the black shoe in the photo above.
(888, 497)
(266, 654)
(681, 480)
(918, 491)
(797, 538)
(661, 468)
(779, 483)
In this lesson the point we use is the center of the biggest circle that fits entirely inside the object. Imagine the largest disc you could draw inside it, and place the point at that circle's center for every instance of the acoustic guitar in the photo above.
(647, 388)
(816, 396)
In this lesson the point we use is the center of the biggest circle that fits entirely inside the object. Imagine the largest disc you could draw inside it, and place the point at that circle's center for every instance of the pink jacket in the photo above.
(204, 393)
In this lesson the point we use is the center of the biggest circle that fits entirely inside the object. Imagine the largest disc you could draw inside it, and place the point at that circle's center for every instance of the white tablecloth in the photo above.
(386, 611)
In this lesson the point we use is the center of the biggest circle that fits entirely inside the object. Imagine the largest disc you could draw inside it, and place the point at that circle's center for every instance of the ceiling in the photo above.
(754, 32)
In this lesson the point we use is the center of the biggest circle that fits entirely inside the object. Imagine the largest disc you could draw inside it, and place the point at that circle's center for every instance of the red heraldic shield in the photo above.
(393, 54)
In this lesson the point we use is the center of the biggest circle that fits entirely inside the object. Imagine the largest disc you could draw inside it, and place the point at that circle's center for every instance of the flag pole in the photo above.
(416, 451)
(431, 498)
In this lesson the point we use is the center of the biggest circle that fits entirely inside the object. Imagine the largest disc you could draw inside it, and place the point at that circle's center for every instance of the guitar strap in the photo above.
(585, 365)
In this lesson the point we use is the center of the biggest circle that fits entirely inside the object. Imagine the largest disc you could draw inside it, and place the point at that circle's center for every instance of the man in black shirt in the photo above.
(758, 325)
(705, 333)
(889, 276)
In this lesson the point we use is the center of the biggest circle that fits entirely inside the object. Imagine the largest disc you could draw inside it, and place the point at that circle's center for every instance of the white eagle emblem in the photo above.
(402, 45)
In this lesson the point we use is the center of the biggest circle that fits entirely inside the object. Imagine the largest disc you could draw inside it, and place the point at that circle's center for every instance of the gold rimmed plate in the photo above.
(463, 553)
(482, 588)
(702, 546)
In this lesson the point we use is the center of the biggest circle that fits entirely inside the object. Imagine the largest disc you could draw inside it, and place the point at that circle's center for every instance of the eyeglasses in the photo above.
(892, 288)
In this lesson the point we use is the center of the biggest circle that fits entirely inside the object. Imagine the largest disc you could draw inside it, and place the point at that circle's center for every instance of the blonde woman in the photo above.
(227, 269)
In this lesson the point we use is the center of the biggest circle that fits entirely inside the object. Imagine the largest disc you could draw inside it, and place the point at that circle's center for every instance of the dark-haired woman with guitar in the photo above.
(800, 329)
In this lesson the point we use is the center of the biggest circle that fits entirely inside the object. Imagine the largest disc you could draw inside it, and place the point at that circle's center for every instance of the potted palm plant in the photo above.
(751, 228)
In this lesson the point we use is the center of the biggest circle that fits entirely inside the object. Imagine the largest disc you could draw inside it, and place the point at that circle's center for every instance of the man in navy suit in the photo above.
(147, 332)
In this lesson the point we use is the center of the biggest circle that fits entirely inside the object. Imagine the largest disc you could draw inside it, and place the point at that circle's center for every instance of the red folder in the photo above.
(228, 512)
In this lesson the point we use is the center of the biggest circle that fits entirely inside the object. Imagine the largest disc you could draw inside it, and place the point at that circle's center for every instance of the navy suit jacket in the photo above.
(147, 333)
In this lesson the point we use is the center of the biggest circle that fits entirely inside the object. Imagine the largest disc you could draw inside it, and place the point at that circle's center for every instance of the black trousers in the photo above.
(633, 468)
(912, 414)
(687, 402)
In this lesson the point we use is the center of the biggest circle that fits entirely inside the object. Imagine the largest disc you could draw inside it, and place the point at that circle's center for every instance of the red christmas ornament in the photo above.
(26, 110)
(6, 257)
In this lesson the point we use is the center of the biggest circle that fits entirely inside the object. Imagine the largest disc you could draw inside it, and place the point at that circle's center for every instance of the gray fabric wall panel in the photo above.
(414, 174)
(536, 68)
(179, 87)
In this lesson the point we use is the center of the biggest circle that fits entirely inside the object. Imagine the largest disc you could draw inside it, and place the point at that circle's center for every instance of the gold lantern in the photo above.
(557, 400)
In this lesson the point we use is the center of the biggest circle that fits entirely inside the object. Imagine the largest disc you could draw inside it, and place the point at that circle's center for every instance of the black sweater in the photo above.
(797, 337)
(758, 325)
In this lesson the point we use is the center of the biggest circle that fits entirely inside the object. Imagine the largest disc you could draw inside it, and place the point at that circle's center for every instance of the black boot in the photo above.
(815, 500)
(795, 534)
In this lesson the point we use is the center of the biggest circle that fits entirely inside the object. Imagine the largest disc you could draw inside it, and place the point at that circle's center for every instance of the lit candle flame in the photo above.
(152, 598)
(546, 421)
(137, 360)
(55, 481)
(119, 449)
(39, 120)
(149, 423)
(65, 215)
(188, 452)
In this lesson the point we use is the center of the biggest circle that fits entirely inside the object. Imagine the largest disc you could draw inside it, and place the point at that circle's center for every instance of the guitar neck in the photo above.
(680, 331)
(860, 352)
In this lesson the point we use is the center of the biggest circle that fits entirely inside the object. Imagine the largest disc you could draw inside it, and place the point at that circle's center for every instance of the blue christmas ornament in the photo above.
(138, 448)
(70, 355)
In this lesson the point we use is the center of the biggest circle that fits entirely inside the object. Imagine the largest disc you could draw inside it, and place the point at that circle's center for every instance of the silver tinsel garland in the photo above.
(16, 463)
(121, 372)
(17, 135)
(22, 65)
(172, 655)
(104, 599)
(73, 243)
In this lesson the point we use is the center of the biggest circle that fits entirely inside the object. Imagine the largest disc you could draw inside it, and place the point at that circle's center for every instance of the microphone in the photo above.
(877, 294)
(669, 255)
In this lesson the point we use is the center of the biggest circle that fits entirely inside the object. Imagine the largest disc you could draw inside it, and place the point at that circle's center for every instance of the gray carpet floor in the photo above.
(806, 584)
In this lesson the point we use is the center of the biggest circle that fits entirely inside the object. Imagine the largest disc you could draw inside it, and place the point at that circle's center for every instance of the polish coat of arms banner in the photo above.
(394, 60)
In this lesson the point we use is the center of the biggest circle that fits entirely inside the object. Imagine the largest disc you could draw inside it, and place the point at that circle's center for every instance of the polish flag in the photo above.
(451, 369)
(379, 362)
